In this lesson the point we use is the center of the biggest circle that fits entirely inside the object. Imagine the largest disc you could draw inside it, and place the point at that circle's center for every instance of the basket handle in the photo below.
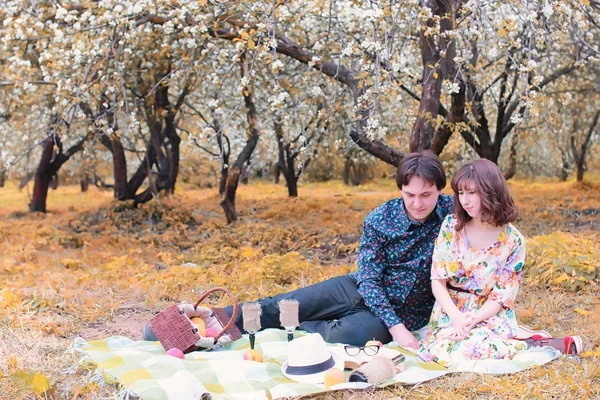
(235, 308)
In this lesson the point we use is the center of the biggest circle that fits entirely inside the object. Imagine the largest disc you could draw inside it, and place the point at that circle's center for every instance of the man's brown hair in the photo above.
(497, 205)
(425, 165)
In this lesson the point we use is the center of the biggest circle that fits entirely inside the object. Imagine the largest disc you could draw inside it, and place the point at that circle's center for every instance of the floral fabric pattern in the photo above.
(479, 275)
(394, 261)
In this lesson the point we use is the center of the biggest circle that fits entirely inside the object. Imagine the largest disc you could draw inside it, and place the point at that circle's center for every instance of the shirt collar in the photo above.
(438, 209)
(407, 224)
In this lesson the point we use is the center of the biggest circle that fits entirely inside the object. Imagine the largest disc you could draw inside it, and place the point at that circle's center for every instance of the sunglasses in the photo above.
(368, 350)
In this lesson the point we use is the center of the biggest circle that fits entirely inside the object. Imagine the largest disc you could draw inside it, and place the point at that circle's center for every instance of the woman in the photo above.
(476, 270)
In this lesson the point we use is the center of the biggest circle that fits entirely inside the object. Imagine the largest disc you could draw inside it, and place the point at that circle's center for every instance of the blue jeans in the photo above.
(333, 308)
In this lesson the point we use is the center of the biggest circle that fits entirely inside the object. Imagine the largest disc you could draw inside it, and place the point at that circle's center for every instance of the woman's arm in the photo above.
(462, 322)
(505, 290)
(440, 292)
(488, 310)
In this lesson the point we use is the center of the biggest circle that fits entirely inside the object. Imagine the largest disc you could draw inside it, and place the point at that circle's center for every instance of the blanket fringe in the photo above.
(95, 374)
(77, 346)
(84, 362)
(126, 394)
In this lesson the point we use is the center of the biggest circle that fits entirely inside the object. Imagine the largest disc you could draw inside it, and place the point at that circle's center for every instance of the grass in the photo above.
(93, 268)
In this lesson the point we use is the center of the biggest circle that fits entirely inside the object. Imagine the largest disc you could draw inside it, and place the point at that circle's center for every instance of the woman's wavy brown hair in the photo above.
(497, 205)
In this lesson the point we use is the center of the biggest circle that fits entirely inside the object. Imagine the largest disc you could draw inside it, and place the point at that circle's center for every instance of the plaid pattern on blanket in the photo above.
(143, 368)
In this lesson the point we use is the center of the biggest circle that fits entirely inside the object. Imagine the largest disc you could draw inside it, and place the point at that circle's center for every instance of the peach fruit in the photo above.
(253, 355)
(200, 324)
(175, 352)
(210, 332)
(334, 376)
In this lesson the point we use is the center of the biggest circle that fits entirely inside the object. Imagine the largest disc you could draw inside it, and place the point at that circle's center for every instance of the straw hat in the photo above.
(309, 359)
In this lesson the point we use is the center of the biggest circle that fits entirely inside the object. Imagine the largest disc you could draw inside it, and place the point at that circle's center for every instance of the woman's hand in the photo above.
(462, 323)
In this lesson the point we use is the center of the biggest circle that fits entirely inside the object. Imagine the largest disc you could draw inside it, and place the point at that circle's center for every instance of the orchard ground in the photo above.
(93, 268)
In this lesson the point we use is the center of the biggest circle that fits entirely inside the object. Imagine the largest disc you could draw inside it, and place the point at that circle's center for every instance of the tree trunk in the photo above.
(43, 176)
(244, 173)
(580, 171)
(564, 170)
(292, 185)
(2, 177)
(434, 72)
(285, 161)
(49, 165)
(54, 182)
(290, 176)
(347, 169)
(173, 149)
(276, 173)
(512, 160)
(580, 154)
(228, 201)
(121, 189)
(84, 182)
(223, 180)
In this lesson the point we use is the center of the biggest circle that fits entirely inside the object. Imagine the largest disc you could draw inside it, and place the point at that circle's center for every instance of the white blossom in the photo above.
(277, 66)
(316, 91)
(374, 130)
(61, 13)
(516, 118)
(451, 86)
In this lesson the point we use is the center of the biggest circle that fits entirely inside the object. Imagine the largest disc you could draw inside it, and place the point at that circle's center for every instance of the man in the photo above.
(390, 294)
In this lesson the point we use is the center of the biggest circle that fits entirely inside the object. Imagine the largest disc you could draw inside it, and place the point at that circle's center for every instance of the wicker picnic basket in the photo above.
(174, 329)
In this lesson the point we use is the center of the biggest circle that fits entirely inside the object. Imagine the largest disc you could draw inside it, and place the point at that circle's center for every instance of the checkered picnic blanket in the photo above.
(142, 368)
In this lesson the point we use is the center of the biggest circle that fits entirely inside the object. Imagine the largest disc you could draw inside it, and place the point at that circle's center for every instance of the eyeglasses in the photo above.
(370, 350)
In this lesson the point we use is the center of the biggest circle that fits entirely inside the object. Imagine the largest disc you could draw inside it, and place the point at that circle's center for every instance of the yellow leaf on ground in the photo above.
(40, 383)
(8, 296)
(563, 277)
(591, 353)
(248, 252)
(581, 311)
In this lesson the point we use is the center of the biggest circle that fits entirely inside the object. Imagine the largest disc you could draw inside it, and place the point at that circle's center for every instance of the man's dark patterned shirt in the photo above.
(394, 263)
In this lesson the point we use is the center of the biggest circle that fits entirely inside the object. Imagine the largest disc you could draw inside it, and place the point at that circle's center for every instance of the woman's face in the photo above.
(469, 199)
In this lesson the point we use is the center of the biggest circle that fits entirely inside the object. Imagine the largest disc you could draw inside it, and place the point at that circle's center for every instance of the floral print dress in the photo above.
(493, 273)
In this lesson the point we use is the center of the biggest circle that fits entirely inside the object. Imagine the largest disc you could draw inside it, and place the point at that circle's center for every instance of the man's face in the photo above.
(420, 198)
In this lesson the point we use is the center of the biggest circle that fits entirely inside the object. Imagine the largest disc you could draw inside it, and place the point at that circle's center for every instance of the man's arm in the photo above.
(371, 263)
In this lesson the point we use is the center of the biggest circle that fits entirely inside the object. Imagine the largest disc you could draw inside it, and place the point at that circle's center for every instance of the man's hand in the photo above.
(403, 337)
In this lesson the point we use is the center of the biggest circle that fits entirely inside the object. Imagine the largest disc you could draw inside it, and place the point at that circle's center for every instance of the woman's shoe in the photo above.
(566, 345)
(573, 344)
(526, 333)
